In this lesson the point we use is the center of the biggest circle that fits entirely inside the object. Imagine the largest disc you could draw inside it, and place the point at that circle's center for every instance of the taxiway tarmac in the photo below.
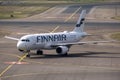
(84, 62)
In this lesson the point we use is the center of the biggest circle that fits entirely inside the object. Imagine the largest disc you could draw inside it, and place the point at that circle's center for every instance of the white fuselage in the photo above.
(45, 40)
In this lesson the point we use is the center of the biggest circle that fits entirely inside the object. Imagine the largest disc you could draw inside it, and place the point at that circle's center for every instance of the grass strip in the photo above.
(116, 36)
(12, 12)
(116, 17)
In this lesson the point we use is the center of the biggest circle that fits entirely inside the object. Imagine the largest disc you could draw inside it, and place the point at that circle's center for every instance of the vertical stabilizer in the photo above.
(80, 23)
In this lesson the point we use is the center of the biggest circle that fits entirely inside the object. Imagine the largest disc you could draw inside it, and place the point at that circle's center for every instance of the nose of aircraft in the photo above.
(21, 46)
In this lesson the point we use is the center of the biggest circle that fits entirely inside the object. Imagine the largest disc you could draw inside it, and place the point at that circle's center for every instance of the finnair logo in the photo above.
(51, 38)
(81, 22)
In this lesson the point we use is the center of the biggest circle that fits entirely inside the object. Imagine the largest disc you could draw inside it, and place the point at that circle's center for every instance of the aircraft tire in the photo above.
(28, 55)
(39, 52)
(63, 55)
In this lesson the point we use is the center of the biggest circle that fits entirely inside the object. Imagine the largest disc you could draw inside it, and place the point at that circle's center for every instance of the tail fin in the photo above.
(80, 23)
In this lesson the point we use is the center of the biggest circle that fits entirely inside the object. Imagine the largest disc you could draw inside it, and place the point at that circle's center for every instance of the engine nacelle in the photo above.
(62, 50)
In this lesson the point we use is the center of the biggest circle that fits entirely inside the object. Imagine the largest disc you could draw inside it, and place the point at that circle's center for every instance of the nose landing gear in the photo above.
(28, 54)
(38, 52)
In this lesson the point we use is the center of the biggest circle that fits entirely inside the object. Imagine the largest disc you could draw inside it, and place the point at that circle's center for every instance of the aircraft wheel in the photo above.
(63, 55)
(39, 52)
(28, 55)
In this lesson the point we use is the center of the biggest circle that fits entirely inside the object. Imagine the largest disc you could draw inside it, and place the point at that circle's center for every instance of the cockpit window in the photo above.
(25, 40)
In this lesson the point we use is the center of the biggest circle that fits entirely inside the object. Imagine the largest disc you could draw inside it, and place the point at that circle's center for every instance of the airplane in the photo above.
(61, 41)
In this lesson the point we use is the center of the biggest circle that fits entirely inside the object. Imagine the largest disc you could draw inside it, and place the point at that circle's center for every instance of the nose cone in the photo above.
(21, 46)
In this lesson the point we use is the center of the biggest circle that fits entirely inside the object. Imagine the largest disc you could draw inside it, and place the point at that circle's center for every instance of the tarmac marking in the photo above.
(88, 68)
(27, 74)
(49, 10)
(16, 62)
(6, 69)
(31, 61)
(11, 55)
(22, 33)
(54, 29)
(31, 33)
(30, 74)
(55, 17)
(72, 14)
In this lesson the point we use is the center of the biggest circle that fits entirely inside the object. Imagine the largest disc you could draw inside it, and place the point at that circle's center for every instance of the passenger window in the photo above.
(27, 40)
(23, 40)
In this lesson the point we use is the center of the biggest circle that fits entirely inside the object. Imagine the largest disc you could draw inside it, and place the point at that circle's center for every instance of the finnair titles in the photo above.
(51, 38)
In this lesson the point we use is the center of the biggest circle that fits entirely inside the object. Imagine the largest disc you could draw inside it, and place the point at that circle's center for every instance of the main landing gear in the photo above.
(38, 52)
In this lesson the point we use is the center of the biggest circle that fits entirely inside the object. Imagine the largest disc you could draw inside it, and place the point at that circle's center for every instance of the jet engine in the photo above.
(62, 50)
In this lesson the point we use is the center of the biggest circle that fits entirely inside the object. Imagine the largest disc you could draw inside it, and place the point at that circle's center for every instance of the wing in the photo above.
(11, 38)
(81, 43)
